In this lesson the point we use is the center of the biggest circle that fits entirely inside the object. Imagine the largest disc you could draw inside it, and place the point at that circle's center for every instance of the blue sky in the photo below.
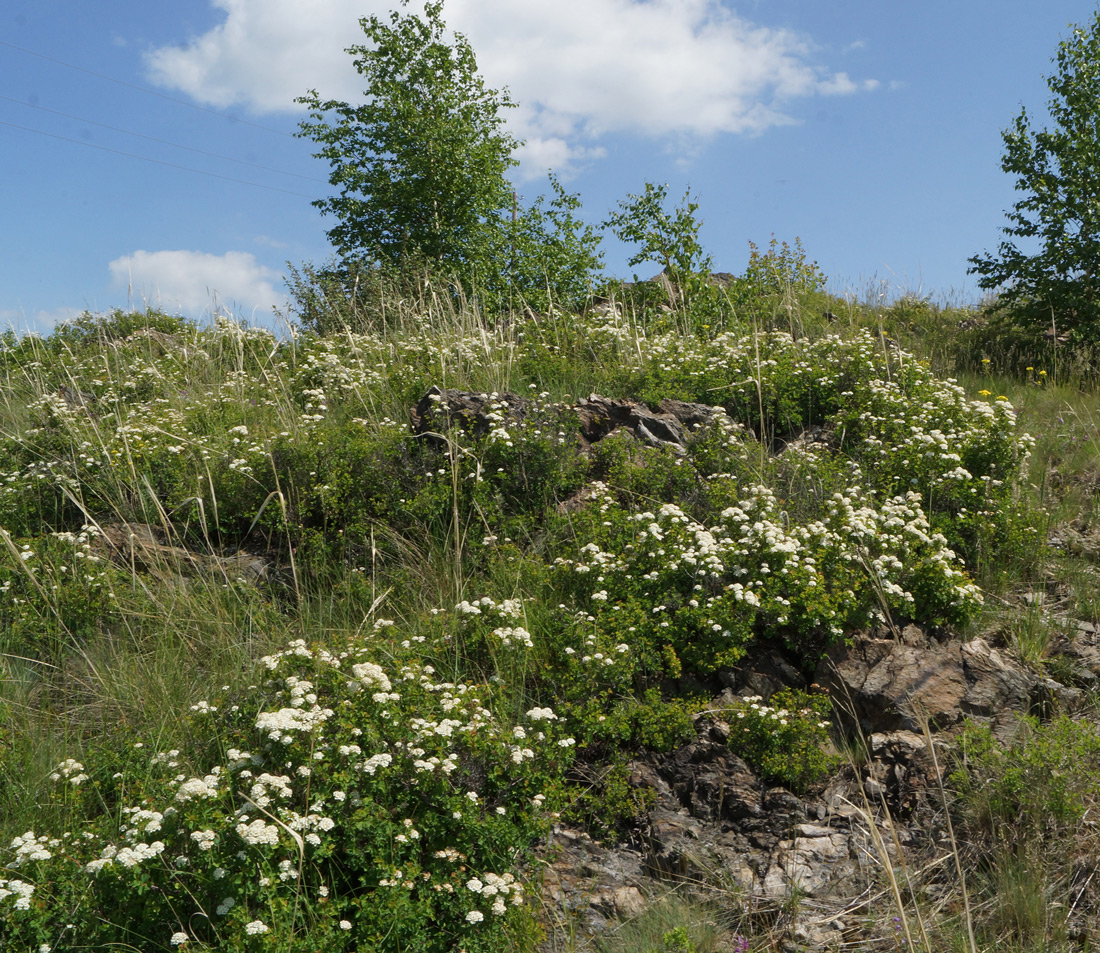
(869, 130)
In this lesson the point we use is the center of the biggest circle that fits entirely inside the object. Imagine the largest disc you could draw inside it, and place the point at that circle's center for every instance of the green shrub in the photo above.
(342, 802)
(1033, 789)
(787, 739)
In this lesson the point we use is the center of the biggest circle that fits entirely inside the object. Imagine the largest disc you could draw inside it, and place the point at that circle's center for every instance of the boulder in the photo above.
(144, 547)
(440, 409)
(888, 684)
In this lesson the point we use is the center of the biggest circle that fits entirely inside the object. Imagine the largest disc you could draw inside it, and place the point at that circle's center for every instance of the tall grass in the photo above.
(227, 441)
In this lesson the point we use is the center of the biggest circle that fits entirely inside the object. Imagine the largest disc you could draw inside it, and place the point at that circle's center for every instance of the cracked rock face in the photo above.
(893, 684)
(718, 832)
(598, 416)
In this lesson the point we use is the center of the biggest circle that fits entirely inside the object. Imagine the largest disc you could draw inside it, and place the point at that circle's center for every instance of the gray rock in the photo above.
(144, 547)
(890, 685)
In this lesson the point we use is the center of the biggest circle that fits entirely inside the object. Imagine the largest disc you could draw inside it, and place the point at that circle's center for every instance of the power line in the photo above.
(171, 165)
(164, 142)
(144, 89)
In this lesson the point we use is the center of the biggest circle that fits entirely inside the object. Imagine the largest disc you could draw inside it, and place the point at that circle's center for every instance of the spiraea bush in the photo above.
(229, 764)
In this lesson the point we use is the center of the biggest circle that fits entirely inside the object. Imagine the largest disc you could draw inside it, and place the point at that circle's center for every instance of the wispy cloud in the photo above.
(40, 322)
(193, 281)
(580, 68)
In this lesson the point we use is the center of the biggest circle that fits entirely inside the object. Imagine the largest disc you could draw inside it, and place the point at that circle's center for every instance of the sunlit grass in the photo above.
(460, 552)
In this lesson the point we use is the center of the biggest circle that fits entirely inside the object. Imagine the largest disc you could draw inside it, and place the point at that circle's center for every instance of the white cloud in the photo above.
(537, 156)
(580, 68)
(194, 281)
(270, 242)
(841, 84)
(40, 322)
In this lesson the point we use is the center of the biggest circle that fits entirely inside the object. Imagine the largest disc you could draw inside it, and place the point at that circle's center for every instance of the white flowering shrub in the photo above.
(54, 589)
(906, 429)
(353, 798)
(353, 804)
(785, 738)
(655, 590)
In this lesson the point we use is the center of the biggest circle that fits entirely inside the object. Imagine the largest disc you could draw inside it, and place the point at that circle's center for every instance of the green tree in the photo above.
(554, 256)
(420, 164)
(669, 238)
(1058, 170)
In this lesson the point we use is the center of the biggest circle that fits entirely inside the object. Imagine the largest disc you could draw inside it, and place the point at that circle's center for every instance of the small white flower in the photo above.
(205, 839)
(541, 714)
(345, 924)
(475, 916)
(255, 927)
(178, 939)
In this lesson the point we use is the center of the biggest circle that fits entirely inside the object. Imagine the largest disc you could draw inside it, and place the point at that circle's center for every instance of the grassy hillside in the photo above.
(287, 669)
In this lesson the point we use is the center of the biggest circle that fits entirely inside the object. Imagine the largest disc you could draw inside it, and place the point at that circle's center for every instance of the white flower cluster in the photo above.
(140, 821)
(71, 771)
(258, 832)
(283, 725)
(753, 557)
(265, 783)
(199, 788)
(428, 737)
(29, 848)
(20, 890)
(505, 609)
(514, 635)
(500, 889)
(205, 839)
(374, 762)
(542, 714)
(125, 856)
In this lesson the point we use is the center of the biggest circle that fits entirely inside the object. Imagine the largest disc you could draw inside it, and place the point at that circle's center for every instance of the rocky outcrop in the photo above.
(439, 410)
(143, 547)
(669, 426)
(808, 863)
(896, 684)
(716, 833)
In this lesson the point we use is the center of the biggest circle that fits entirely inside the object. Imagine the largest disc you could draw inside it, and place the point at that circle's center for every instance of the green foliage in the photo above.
(604, 799)
(1035, 788)
(672, 924)
(56, 593)
(775, 283)
(787, 739)
(342, 802)
(781, 269)
(655, 591)
(89, 329)
(553, 256)
(420, 164)
(677, 941)
(669, 238)
(348, 296)
(1023, 806)
(1057, 287)
(527, 567)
